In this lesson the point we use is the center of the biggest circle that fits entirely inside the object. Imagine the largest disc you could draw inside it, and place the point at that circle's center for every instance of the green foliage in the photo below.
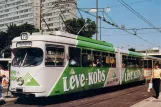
(132, 49)
(12, 32)
(74, 26)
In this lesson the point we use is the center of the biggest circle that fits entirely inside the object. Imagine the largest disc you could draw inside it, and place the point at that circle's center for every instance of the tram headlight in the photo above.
(20, 81)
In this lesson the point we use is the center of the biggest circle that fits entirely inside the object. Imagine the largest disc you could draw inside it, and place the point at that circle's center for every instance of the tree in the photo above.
(15, 31)
(132, 49)
(75, 25)
(12, 32)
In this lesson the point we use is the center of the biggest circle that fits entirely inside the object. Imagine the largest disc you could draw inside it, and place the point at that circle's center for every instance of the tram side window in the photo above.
(145, 63)
(106, 60)
(74, 57)
(54, 55)
(124, 61)
(113, 60)
(139, 63)
(87, 58)
(131, 62)
(97, 59)
(149, 63)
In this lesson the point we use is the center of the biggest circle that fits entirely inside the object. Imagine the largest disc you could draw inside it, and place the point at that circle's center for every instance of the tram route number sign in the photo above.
(24, 44)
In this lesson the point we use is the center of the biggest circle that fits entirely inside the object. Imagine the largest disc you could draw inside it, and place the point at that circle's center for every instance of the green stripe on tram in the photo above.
(135, 54)
(89, 40)
(94, 46)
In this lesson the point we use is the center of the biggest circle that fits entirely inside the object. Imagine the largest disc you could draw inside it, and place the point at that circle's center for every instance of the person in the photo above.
(2, 74)
(98, 63)
(155, 79)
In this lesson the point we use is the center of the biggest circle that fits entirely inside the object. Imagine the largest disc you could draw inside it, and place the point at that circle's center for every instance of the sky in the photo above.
(149, 9)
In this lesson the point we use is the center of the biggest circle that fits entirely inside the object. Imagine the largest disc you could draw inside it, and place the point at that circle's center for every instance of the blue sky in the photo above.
(150, 9)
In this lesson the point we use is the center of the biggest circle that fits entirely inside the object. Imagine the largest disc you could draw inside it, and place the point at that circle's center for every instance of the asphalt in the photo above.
(149, 102)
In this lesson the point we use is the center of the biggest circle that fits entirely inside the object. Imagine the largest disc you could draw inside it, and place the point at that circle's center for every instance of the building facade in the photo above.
(156, 52)
(21, 11)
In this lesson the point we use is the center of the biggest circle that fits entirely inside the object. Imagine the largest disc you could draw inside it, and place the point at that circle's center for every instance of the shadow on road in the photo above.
(73, 96)
(2, 103)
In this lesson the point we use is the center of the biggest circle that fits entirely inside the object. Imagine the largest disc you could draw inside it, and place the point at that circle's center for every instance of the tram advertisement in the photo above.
(79, 79)
(131, 75)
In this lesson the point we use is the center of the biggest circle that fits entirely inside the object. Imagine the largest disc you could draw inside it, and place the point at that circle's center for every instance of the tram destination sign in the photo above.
(24, 44)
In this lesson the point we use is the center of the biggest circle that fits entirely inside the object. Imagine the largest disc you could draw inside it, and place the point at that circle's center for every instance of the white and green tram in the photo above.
(60, 63)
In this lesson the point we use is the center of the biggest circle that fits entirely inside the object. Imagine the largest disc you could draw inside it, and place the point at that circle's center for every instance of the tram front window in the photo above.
(28, 57)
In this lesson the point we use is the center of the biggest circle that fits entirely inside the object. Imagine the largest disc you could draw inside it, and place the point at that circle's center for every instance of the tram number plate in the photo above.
(19, 90)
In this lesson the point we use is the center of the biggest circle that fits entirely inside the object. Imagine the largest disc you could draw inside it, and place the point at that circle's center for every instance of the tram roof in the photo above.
(50, 36)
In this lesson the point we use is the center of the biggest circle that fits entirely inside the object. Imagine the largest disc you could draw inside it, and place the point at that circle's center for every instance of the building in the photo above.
(56, 12)
(22, 11)
(156, 52)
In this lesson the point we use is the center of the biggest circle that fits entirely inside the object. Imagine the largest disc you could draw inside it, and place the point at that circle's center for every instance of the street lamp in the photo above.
(97, 20)
(101, 25)
(96, 10)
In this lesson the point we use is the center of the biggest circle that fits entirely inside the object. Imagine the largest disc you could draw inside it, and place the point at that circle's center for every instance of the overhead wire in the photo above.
(134, 28)
(131, 3)
(137, 14)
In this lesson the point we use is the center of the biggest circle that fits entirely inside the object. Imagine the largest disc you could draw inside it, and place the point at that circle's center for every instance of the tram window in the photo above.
(54, 55)
(139, 63)
(113, 61)
(89, 52)
(124, 61)
(97, 59)
(106, 61)
(88, 59)
(104, 54)
(74, 55)
(28, 57)
(149, 63)
(84, 51)
(145, 64)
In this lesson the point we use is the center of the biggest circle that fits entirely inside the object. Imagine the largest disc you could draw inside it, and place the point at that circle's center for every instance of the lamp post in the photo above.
(93, 10)
(101, 26)
(97, 20)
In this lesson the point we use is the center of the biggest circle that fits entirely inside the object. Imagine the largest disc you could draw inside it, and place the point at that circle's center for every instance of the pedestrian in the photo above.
(2, 74)
(155, 79)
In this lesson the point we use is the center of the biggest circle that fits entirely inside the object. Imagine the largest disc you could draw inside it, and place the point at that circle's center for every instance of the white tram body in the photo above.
(62, 63)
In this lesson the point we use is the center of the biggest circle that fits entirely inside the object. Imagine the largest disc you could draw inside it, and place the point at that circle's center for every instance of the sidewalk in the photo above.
(150, 102)
(7, 96)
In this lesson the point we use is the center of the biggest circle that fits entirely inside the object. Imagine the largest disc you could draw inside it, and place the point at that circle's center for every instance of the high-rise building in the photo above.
(53, 12)
(56, 11)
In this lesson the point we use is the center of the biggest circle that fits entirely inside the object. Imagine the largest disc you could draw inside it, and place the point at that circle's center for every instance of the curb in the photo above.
(7, 100)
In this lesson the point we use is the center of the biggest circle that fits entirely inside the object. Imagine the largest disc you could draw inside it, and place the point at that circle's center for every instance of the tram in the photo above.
(60, 63)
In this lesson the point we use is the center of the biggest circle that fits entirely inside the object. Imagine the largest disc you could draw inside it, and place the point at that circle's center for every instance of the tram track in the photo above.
(90, 104)
(91, 101)
(122, 98)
